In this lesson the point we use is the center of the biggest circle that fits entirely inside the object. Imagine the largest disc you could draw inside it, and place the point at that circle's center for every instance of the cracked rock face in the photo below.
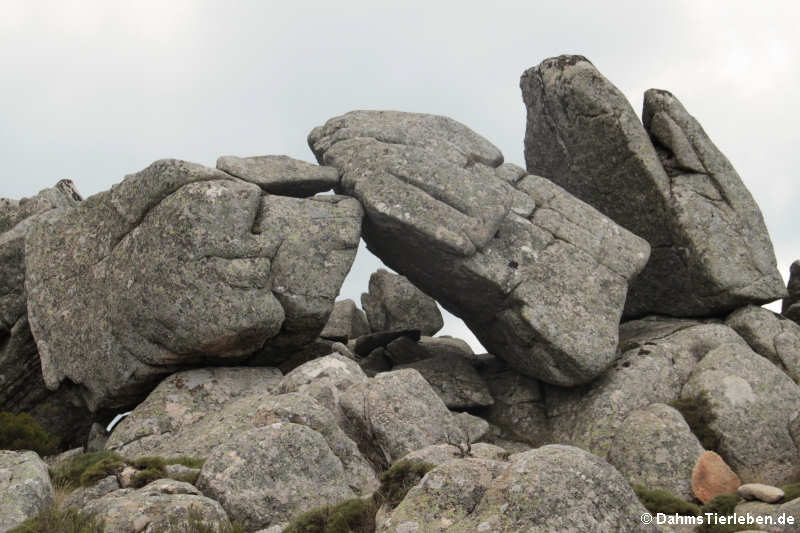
(280, 174)
(538, 275)
(664, 181)
(181, 265)
(25, 488)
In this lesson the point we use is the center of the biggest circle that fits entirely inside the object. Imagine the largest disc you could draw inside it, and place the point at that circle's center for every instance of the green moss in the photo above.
(149, 463)
(22, 432)
(69, 472)
(110, 466)
(722, 505)
(351, 516)
(55, 520)
(661, 501)
(143, 477)
(698, 414)
(399, 479)
(189, 477)
(791, 491)
(190, 462)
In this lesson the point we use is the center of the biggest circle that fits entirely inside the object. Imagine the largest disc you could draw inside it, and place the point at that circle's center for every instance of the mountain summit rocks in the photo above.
(664, 180)
(539, 276)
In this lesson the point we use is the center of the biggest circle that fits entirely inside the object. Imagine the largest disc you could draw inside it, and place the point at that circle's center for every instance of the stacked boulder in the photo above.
(615, 281)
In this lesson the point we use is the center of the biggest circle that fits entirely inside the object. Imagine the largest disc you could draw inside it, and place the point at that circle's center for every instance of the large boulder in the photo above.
(750, 405)
(398, 412)
(455, 381)
(664, 181)
(280, 174)
(552, 488)
(393, 303)
(711, 476)
(271, 474)
(346, 322)
(791, 304)
(180, 265)
(655, 448)
(25, 488)
(163, 505)
(538, 275)
(770, 335)
(658, 358)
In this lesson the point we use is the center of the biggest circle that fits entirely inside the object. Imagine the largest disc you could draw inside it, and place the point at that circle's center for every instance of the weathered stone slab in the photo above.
(393, 303)
(280, 174)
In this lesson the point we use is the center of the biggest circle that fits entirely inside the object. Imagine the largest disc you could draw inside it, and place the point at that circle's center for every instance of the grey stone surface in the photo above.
(177, 266)
(454, 380)
(396, 413)
(439, 454)
(474, 428)
(346, 322)
(752, 404)
(25, 488)
(770, 335)
(404, 350)
(777, 514)
(664, 181)
(394, 303)
(791, 304)
(653, 369)
(655, 448)
(271, 474)
(280, 174)
(164, 503)
(552, 488)
(97, 438)
(184, 406)
(539, 276)
(81, 496)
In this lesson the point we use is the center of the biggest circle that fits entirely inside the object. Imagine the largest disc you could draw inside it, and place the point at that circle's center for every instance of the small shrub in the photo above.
(722, 505)
(350, 516)
(149, 463)
(699, 416)
(661, 501)
(69, 472)
(791, 491)
(399, 479)
(189, 462)
(54, 520)
(143, 477)
(110, 466)
(22, 432)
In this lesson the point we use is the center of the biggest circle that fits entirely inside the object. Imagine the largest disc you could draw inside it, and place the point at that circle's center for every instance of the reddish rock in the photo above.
(711, 476)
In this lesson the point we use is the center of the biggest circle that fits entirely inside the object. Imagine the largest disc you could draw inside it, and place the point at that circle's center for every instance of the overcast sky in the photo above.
(93, 91)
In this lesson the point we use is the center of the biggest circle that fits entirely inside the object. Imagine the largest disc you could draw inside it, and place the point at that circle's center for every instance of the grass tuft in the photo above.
(661, 501)
(22, 432)
(54, 520)
(699, 416)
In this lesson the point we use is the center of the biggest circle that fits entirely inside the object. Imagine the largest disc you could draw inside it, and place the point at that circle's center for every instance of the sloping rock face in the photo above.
(655, 448)
(664, 181)
(163, 505)
(791, 304)
(552, 488)
(751, 403)
(271, 474)
(280, 174)
(393, 303)
(538, 275)
(176, 266)
(25, 488)
(346, 322)
(454, 380)
(770, 335)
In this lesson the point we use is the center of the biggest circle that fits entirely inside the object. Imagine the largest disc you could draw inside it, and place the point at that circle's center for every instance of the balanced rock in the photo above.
(711, 476)
(346, 322)
(750, 405)
(163, 505)
(271, 474)
(664, 181)
(539, 276)
(393, 303)
(280, 174)
(655, 448)
(180, 265)
(25, 488)
(791, 304)
(770, 335)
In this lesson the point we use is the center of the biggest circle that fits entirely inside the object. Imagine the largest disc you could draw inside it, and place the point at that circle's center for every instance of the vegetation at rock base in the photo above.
(661, 501)
(189, 462)
(143, 477)
(196, 524)
(722, 505)
(68, 473)
(357, 515)
(791, 491)
(54, 520)
(22, 432)
(699, 416)
(110, 466)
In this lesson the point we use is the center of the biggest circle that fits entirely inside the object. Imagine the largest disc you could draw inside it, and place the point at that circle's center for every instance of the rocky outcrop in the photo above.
(751, 404)
(538, 275)
(439, 454)
(770, 335)
(346, 322)
(791, 304)
(25, 488)
(180, 265)
(455, 381)
(393, 303)
(271, 474)
(163, 505)
(655, 448)
(664, 181)
(280, 174)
